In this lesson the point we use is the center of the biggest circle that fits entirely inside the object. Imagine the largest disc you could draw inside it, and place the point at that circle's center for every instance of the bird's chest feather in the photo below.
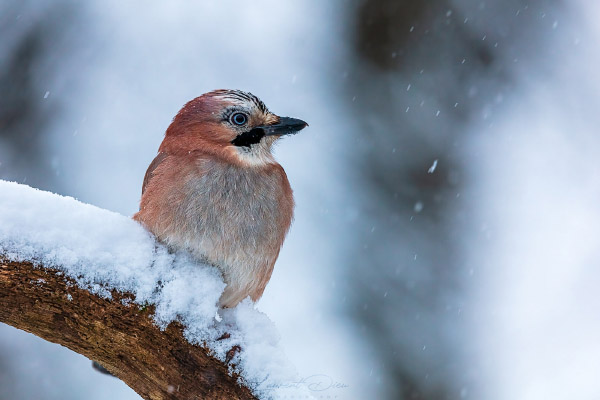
(231, 211)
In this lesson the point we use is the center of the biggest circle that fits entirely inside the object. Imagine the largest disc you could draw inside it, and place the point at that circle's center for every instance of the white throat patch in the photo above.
(257, 154)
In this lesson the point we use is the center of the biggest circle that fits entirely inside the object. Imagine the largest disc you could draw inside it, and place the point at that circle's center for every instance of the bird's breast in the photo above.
(236, 215)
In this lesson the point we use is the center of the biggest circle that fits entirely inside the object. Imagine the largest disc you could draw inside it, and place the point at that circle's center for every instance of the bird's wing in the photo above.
(160, 157)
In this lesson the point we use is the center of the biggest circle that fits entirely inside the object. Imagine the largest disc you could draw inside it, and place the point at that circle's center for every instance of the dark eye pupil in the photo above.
(239, 119)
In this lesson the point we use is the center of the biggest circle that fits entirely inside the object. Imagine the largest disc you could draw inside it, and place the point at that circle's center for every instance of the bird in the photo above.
(216, 191)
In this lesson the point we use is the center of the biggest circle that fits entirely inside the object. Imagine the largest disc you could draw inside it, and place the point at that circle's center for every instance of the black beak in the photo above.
(286, 126)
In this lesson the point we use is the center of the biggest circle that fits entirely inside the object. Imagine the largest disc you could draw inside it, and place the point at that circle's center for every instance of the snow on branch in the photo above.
(98, 283)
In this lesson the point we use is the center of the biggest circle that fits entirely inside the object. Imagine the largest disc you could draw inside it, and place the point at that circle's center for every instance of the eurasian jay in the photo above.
(216, 191)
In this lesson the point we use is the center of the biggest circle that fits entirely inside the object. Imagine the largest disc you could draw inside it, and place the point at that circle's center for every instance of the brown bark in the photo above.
(123, 338)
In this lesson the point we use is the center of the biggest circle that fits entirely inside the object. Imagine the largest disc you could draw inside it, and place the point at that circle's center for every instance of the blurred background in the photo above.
(446, 241)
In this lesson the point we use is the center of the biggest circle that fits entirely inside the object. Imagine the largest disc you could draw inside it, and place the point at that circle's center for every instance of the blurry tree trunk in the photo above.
(33, 34)
(116, 332)
(420, 75)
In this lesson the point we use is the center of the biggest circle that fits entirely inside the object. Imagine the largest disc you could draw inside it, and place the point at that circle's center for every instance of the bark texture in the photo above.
(122, 337)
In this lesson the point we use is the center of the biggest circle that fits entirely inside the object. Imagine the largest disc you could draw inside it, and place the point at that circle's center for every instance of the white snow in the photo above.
(431, 169)
(418, 207)
(103, 250)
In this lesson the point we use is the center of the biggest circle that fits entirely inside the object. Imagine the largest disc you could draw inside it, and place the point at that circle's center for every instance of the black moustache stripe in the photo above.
(249, 138)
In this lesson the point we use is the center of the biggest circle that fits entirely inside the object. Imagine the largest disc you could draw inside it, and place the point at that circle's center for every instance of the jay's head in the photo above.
(229, 122)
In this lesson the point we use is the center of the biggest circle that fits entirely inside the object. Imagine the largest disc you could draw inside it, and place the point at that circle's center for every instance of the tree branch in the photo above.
(116, 333)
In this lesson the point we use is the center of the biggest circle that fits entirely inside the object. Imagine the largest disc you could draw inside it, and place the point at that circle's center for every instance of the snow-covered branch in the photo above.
(98, 283)
(157, 364)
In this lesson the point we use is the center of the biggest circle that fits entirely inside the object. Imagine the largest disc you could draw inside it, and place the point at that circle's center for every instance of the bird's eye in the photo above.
(239, 119)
